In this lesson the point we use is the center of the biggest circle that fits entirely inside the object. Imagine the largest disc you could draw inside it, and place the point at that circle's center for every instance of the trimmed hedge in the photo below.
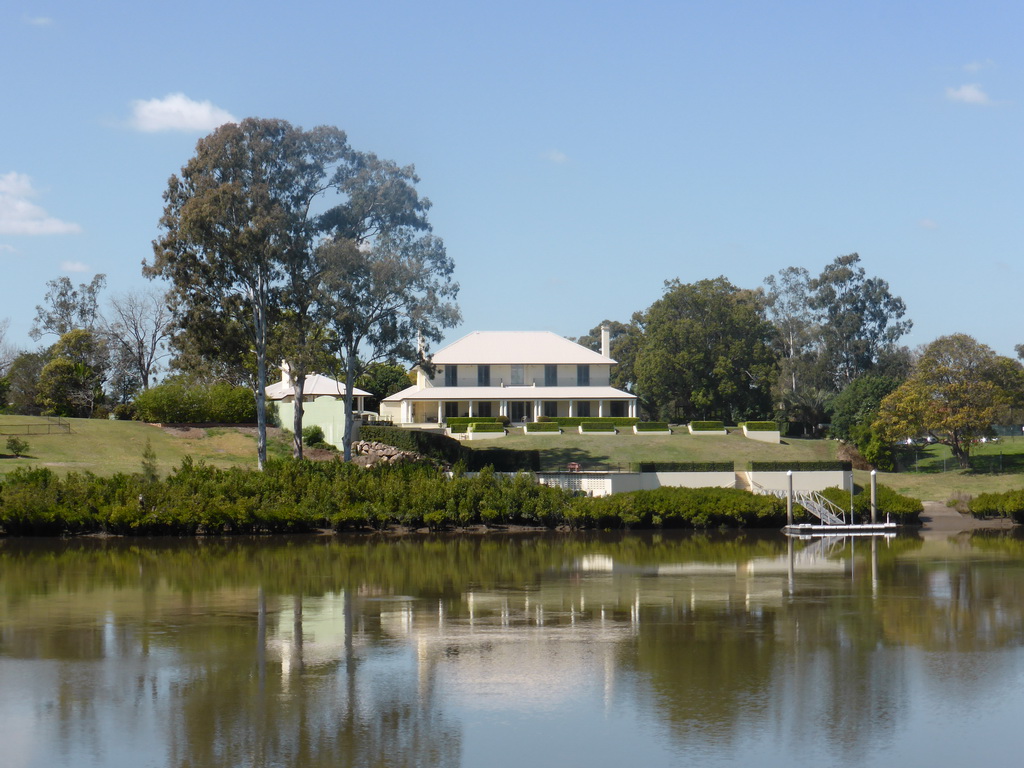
(597, 426)
(430, 444)
(541, 426)
(761, 426)
(685, 466)
(800, 466)
(451, 451)
(707, 426)
(651, 426)
(453, 420)
(486, 426)
(576, 421)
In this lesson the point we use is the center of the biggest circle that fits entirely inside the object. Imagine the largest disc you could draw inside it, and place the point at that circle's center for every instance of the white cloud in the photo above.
(20, 216)
(968, 94)
(38, 21)
(73, 266)
(977, 66)
(928, 224)
(177, 112)
(4, 248)
(556, 157)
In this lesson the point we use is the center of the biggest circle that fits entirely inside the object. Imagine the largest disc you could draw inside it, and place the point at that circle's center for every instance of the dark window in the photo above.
(451, 409)
(582, 375)
(551, 409)
(482, 409)
(550, 375)
(619, 408)
(483, 376)
(517, 376)
(451, 376)
(583, 408)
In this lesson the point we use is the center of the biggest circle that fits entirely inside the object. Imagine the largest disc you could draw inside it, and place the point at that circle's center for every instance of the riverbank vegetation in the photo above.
(302, 496)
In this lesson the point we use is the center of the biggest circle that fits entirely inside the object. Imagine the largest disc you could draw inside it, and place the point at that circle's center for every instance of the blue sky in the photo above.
(578, 154)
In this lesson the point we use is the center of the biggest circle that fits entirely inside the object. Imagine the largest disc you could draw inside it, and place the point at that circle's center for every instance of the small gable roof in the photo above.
(316, 385)
(516, 347)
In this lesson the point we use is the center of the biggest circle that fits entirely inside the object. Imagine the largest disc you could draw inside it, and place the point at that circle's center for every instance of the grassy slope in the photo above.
(106, 447)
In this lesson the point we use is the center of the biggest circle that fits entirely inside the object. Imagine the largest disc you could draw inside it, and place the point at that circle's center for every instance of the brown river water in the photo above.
(528, 650)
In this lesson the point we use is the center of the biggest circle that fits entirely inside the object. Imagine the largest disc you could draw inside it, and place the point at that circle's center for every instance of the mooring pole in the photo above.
(789, 497)
(874, 496)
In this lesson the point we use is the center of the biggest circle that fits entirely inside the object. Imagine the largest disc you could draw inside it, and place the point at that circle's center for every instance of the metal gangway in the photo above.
(812, 501)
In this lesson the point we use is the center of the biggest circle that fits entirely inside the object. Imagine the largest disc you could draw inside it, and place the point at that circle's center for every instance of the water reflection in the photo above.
(468, 651)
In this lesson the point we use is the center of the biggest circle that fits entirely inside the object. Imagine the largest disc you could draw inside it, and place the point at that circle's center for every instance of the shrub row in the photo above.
(481, 426)
(597, 426)
(451, 451)
(707, 426)
(575, 421)
(1007, 504)
(177, 403)
(294, 496)
(761, 426)
(452, 421)
(684, 466)
(542, 426)
(800, 466)
(652, 426)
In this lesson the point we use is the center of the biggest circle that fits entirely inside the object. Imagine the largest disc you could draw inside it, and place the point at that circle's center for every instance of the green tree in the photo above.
(953, 395)
(237, 232)
(23, 381)
(71, 383)
(384, 379)
(859, 318)
(384, 298)
(788, 308)
(67, 308)
(706, 352)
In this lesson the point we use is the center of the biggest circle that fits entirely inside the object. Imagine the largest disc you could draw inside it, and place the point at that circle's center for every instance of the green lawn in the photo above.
(625, 448)
(106, 447)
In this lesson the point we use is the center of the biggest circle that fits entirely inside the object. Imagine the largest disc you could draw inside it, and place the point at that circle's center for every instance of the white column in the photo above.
(471, 408)
(572, 408)
(600, 409)
(440, 411)
(503, 407)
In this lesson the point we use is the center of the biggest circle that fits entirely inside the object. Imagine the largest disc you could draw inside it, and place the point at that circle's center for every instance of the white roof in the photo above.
(519, 347)
(510, 393)
(316, 384)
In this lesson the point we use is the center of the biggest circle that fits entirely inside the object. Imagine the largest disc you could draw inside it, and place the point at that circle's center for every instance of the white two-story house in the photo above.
(522, 375)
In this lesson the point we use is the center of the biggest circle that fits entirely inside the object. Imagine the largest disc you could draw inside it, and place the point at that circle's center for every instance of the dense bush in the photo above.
(313, 435)
(680, 508)
(17, 446)
(905, 510)
(182, 403)
(296, 496)
(1007, 504)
